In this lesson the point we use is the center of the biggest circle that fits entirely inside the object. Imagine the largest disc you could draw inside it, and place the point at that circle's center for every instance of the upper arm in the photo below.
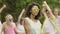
(26, 26)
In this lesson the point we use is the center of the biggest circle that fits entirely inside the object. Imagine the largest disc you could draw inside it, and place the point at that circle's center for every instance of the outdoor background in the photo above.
(14, 7)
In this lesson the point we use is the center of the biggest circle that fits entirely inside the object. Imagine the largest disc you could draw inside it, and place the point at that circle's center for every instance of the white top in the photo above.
(48, 27)
(35, 27)
(21, 28)
(58, 24)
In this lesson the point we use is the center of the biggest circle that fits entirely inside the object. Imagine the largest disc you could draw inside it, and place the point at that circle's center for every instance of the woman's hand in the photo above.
(4, 6)
(45, 4)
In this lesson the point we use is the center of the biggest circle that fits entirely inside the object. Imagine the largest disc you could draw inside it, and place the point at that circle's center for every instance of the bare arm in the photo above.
(2, 8)
(21, 15)
(15, 29)
(44, 13)
(26, 26)
(52, 17)
(49, 10)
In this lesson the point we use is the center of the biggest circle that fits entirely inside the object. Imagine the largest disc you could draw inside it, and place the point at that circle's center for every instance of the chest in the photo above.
(8, 28)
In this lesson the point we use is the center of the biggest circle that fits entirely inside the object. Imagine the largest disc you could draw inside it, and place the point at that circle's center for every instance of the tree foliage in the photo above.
(14, 7)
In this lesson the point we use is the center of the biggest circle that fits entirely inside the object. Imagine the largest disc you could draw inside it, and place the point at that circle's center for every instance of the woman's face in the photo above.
(34, 10)
(9, 18)
(55, 12)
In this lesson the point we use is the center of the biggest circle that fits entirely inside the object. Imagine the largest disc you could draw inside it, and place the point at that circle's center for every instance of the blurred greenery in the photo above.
(14, 7)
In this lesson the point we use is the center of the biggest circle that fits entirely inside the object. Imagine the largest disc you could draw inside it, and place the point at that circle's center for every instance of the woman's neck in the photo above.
(33, 18)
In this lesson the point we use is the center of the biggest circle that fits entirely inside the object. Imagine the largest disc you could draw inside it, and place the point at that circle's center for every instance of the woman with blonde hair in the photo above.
(9, 26)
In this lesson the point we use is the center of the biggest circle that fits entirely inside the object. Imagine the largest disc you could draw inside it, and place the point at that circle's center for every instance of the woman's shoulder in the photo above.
(4, 23)
(26, 20)
(13, 23)
(26, 17)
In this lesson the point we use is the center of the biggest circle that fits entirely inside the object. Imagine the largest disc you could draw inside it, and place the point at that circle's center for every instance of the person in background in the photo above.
(55, 12)
(9, 26)
(48, 27)
(20, 24)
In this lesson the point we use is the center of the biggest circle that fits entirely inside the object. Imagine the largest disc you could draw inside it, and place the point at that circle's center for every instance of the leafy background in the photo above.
(14, 7)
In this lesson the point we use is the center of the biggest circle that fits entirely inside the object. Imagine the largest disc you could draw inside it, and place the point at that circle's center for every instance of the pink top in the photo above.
(10, 30)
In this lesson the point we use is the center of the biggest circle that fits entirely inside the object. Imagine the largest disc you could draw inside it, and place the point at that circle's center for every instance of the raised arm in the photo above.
(49, 10)
(51, 16)
(44, 10)
(21, 15)
(4, 6)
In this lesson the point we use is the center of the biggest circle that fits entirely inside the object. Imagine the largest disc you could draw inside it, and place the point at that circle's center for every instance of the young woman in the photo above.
(55, 12)
(9, 26)
(20, 24)
(31, 22)
(48, 27)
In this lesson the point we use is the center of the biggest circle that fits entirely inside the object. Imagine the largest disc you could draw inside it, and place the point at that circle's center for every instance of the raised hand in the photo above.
(44, 4)
(4, 6)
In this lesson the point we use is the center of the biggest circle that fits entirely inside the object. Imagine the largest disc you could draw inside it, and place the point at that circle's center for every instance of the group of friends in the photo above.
(30, 24)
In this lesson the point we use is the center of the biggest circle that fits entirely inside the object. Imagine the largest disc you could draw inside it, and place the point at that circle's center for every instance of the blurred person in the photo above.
(9, 26)
(20, 24)
(57, 21)
(31, 21)
(48, 27)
